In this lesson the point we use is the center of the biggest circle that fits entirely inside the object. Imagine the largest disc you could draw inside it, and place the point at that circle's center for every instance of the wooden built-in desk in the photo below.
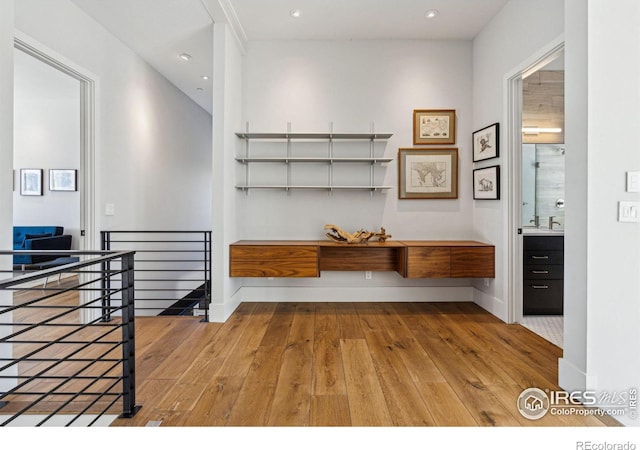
(411, 259)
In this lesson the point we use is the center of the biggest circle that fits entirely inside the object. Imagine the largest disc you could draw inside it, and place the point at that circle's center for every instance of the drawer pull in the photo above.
(540, 286)
(540, 271)
(539, 257)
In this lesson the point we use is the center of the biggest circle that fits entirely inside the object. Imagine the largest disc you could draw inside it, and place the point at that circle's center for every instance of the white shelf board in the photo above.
(274, 159)
(323, 187)
(319, 136)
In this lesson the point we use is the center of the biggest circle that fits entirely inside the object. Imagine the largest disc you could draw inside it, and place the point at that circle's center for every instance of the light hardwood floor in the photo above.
(342, 364)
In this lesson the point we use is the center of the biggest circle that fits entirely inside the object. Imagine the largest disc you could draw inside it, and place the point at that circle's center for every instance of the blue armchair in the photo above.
(38, 238)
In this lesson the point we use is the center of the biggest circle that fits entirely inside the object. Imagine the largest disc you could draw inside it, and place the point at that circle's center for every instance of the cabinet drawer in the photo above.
(473, 262)
(273, 261)
(428, 262)
(543, 297)
(544, 257)
(543, 272)
(536, 243)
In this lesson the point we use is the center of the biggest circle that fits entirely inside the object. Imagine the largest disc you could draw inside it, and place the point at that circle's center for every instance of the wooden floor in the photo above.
(342, 364)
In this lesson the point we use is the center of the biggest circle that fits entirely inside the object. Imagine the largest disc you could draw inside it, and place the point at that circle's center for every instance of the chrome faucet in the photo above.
(552, 222)
(535, 221)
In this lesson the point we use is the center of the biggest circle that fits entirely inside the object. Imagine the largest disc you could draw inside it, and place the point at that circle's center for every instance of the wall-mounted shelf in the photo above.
(316, 136)
(320, 156)
(410, 259)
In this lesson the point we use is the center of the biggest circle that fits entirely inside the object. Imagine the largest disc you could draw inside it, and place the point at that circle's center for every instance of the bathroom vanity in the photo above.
(543, 274)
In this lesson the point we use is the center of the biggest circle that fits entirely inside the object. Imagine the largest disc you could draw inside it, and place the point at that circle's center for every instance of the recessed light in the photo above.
(205, 77)
(432, 13)
(184, 56)
(295, 13)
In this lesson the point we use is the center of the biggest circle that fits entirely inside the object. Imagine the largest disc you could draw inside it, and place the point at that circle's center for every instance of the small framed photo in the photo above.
(434, 126)
(30, 181)
(486, 143)
(63, 180)
(428, 173)
(486, 183)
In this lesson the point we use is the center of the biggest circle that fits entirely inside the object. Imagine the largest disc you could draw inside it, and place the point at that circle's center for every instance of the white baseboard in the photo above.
(491, 304)
(357, 294)
(570, 377)
(221, 312)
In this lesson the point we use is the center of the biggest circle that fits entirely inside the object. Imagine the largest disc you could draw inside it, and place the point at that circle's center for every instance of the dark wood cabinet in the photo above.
(543, 275)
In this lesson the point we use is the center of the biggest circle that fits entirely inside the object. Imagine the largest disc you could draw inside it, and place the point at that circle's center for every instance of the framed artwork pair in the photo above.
(486, 146)
(59, 180)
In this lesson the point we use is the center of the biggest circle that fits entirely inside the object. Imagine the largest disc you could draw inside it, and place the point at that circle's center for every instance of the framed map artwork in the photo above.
(434, 126)
(428, 174)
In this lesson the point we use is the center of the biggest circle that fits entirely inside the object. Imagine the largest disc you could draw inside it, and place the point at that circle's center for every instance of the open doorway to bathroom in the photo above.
(542, 187)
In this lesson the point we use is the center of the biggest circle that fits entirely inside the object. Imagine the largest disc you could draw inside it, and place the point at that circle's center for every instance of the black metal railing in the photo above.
(173, 270)
(66, 358)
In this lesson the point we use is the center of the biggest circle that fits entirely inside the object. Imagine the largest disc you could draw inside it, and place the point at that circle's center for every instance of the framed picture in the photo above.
(30, 181)
(486, 143)
(63, 180)
(428, 173)
(434, 126)
(486, 183)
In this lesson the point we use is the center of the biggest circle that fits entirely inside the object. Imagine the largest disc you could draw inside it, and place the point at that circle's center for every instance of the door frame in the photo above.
(88, 107)
(513, 114)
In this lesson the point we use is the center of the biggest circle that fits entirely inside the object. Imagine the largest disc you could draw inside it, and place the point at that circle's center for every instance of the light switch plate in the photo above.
(628, 211)
(109, 209)
(633, 181)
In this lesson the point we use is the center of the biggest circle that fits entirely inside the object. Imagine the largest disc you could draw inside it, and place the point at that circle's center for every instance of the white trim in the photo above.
(571, 377)
(357, 294)
(490, 303)
(512, 110)
(222, 11)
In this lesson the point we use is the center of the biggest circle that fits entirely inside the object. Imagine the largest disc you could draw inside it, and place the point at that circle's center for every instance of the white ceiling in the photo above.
(159, 30)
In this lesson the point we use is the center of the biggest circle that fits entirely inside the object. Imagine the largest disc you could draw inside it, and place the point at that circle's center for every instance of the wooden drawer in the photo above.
(543, 257)
(543, 272)
(428, 262)
(273, 261)
(544, 297)
(473, 262)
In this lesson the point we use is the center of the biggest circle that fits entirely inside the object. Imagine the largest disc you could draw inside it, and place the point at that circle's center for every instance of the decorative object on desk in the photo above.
(63, 180)
(428, 174)
(486, 143)
(337, 234)
(486, 183)
(434, 126)
(30, 181)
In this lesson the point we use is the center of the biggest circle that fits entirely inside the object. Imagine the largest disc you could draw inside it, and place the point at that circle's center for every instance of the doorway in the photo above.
(536, 208)
(53, 85)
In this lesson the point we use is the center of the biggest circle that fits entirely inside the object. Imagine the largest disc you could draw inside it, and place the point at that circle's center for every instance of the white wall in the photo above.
(46, 136)
(613, 311)
(153, 158)
(227, 113)
(354, 84)
(516, 33)
(573, 364)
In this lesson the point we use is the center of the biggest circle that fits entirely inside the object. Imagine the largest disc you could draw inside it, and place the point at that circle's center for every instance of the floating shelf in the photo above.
(317, 188)
(324, 156)
(285, 160)
(318, 136)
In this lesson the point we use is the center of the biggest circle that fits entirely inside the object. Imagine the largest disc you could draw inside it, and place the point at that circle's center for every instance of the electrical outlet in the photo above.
(486, 282)
(367, 275)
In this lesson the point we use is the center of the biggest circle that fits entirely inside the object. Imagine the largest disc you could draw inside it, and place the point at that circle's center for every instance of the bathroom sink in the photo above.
(542, 231)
